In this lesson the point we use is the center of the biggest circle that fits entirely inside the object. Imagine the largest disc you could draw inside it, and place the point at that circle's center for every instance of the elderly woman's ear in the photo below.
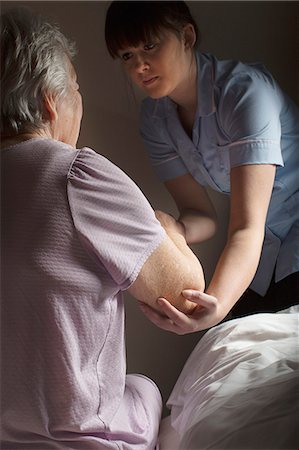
(50, 108)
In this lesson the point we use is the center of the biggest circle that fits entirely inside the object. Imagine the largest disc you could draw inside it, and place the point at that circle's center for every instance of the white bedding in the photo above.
(239, 388)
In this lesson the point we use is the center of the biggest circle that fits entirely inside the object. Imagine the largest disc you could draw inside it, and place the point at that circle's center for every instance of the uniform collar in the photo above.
(164, 107)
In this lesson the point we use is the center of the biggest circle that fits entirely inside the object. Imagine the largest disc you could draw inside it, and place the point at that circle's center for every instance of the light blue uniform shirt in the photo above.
(243, 117)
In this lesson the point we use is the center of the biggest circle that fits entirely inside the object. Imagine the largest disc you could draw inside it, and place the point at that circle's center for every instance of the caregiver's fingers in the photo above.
(170, 318)
(201, 298)
(171, 311)
(162, 321)
(180, 323)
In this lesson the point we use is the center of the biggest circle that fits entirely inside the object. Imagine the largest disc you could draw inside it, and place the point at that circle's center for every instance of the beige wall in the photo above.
(250, 31)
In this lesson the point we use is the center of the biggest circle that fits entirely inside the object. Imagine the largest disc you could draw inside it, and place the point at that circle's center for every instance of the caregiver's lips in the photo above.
(149, 81)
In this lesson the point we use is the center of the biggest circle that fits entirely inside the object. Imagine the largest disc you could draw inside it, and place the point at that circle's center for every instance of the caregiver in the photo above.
(222, 124)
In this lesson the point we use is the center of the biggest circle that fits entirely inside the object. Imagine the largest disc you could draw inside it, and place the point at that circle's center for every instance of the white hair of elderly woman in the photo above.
(34, 62)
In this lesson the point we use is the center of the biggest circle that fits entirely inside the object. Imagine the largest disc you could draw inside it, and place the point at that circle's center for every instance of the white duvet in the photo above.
(239, 388)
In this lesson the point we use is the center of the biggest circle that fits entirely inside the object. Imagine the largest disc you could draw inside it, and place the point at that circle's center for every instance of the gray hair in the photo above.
(34, 62)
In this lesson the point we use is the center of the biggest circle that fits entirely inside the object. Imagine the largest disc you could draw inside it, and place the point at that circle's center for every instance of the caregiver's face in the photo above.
(158, 67)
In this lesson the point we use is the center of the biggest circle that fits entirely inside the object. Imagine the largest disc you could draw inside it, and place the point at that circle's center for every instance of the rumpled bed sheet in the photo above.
(239, 388)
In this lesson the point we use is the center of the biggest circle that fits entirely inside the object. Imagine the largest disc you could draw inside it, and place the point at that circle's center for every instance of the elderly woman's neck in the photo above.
(8, 141)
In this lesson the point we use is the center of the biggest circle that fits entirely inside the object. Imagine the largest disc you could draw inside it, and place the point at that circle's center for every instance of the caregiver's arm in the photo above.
(171, 268)
(251, 188)
(197, 214)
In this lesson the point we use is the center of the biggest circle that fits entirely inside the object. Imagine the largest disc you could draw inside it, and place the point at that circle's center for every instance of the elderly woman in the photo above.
(73, 238)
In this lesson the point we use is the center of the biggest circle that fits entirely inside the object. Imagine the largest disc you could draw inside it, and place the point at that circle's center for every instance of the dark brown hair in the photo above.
(128, 23)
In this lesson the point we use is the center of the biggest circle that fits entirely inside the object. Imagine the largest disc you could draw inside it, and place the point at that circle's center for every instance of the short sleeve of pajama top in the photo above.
(112, 216)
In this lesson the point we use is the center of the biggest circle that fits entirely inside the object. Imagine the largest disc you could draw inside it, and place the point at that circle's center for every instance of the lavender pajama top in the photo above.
(76, 231)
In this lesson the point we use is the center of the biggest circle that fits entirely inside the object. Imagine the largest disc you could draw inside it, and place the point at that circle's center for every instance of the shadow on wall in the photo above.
(259, 31)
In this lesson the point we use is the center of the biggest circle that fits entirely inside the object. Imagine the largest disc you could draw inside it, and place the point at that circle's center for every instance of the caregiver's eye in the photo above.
(126, 56)
(150, 46)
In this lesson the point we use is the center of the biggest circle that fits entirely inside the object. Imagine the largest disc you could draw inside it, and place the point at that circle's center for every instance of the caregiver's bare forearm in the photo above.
(236, 266)
(196, 211)
(198, 227)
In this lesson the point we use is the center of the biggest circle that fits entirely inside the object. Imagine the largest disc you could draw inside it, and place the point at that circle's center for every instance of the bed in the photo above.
(239, 388)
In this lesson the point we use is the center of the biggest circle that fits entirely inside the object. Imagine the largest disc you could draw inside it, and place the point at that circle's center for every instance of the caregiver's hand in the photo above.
(208, 313)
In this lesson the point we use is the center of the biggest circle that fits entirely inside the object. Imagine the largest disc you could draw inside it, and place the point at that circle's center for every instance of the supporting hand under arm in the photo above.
(209, 312)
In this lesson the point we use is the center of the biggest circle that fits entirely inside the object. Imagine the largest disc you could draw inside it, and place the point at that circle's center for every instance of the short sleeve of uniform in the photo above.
(249, 112)
(165, 161)
(114, 220)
